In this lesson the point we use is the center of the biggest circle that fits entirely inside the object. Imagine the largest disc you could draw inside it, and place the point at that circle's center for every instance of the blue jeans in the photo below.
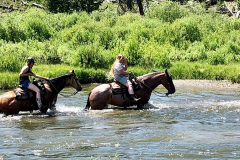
(121, 78)
(25, 83)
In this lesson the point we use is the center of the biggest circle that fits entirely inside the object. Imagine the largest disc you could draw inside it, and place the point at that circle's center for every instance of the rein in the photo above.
(152, 90)
(61, 93)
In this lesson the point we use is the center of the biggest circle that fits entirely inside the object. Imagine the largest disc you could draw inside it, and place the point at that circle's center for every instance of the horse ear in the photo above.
(72, 71)
(166, 72)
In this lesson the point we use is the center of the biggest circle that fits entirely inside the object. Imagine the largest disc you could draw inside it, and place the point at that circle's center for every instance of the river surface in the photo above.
(199, 121)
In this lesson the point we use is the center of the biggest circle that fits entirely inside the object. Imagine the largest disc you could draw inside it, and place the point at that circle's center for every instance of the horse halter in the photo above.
(78, 85)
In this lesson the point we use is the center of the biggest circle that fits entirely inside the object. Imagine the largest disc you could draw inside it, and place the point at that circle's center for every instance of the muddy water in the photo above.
(200, 121)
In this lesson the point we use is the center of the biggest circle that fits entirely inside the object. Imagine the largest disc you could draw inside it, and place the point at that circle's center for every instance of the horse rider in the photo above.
(118, 70)
(26, 71)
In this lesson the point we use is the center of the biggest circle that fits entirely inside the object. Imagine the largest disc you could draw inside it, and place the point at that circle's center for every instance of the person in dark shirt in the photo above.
(26, 71)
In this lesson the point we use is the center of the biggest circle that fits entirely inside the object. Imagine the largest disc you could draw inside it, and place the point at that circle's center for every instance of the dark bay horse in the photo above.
(10, 105)
(102, 95)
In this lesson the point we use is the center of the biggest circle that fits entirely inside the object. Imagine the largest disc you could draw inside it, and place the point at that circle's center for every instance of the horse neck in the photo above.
(60, 82)
(152, 80)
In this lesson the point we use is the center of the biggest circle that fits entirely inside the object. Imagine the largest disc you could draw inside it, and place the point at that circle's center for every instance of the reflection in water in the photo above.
(193, 123)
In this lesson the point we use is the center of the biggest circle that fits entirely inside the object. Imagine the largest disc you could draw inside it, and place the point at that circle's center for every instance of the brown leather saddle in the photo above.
(23, 93)
(119, 88)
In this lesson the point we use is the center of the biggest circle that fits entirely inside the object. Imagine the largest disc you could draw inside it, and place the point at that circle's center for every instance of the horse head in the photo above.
(168, 83)
(74, 82)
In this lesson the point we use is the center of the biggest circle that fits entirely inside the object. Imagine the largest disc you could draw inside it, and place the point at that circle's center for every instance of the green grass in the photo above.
(179, 70)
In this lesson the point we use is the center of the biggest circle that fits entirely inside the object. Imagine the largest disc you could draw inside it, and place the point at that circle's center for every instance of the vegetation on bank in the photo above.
(191, 43)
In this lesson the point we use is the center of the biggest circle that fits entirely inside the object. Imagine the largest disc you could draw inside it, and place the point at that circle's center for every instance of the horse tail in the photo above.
(88, 102)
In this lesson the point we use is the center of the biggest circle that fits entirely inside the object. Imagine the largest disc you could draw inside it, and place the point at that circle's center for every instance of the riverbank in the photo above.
(210, 84)
(178, 70)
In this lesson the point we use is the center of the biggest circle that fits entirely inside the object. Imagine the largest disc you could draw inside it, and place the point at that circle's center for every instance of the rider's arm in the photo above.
(23, 72)
(37, 76)
(125, 64)
(123, 72)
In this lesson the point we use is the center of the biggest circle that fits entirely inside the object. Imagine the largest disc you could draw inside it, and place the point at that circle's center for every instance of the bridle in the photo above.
(77, 90)
(152, 90)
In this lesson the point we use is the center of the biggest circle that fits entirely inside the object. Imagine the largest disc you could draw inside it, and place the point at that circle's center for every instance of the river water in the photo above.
(199, 121)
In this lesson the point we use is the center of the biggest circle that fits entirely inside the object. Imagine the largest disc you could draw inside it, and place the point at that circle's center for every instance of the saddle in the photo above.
(23, 93)
(119, 88)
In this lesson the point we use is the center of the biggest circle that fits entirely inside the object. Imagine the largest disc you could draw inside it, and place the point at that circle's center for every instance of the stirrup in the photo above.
(136, 99)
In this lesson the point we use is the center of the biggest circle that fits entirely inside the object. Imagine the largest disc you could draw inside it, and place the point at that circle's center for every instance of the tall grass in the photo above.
(181, 38)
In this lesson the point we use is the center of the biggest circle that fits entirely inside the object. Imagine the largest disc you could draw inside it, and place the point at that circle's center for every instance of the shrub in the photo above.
(168, 12)
(196, 52)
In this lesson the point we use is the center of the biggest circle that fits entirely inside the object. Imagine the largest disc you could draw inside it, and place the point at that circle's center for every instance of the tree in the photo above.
(133, 5)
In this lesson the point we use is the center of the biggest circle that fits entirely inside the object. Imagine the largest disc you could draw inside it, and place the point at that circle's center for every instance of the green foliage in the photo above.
(196, 52)
(178, 37)
(188, 70)
(9, 80)
(12, 57)
(168, 12)
(11, 30)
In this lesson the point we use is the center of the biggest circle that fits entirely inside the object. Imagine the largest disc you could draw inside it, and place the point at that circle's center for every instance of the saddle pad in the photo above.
(23, 94)
(26, 94)
(119, 90)
(118, 87)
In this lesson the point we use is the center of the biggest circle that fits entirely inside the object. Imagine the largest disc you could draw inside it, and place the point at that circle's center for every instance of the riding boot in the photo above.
(133, 97)
(39, 103)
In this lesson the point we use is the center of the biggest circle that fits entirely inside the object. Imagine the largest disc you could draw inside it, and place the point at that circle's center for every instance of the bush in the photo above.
(168, 12)
(37, 26)
(196, 52)
(12, 57)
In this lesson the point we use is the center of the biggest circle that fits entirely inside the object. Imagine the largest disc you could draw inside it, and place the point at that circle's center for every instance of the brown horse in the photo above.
(9, 104)
(103, 94)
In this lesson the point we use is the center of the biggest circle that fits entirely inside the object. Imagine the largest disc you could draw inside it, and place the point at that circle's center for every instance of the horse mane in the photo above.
(145, 76)
(60, 80)
(62, 76)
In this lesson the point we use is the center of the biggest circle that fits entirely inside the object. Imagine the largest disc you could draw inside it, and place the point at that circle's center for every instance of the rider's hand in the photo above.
(130, 72)
(30, 74)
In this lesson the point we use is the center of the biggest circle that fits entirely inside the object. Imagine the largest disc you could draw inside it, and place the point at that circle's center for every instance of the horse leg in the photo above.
(140, 105)
(44, 109)
(53, 106)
